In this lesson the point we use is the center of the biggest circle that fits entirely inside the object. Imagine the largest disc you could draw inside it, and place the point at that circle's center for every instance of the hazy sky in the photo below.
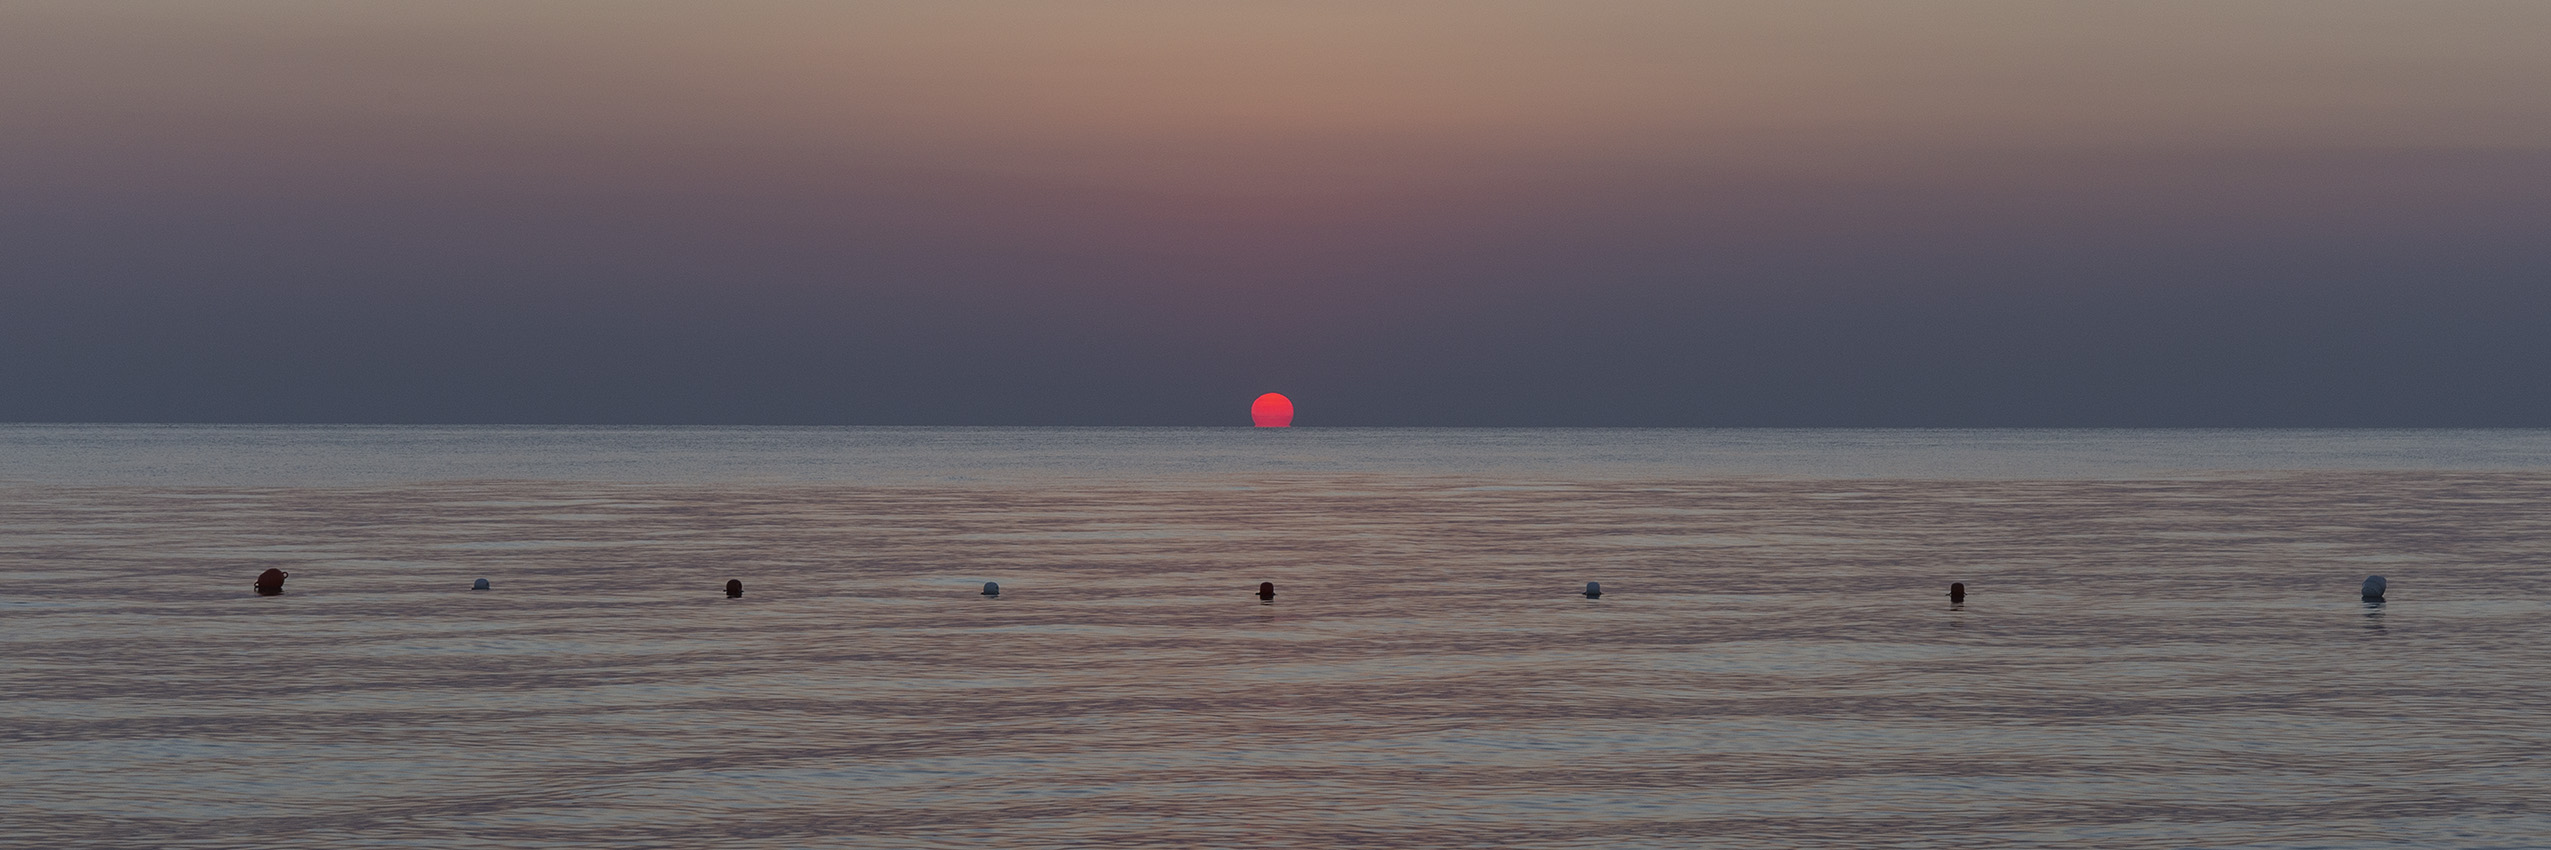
(2226, 212)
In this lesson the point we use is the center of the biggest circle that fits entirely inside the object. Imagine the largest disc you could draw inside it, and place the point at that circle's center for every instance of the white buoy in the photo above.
(2374, 587)
(991, 588)
(1594, 590)
(480, 584)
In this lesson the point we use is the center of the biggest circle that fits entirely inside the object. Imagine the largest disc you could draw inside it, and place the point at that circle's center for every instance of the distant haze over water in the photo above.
(319, 455)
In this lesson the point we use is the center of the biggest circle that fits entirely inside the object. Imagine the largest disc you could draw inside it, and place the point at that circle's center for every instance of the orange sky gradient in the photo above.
(1329, 178)
(1289, 99)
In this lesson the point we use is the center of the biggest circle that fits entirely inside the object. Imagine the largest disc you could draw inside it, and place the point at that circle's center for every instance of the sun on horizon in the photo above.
(1272, 410)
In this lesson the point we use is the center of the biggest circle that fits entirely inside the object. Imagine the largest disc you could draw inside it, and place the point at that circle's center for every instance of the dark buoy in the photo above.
(480, 584)
(270, 582)
(1594, 590)
(2374, 587)
(734, 588)
(991, 588)
(1957, 591)
(1266, 590)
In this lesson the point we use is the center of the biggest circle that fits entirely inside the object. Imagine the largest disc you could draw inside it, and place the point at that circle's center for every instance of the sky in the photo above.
(1471, 212)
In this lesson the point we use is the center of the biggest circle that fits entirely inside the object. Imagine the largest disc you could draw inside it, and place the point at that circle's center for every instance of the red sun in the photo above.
(1272, 410)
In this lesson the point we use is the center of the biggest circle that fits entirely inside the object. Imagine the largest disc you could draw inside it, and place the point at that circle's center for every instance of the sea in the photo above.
(2163, 643)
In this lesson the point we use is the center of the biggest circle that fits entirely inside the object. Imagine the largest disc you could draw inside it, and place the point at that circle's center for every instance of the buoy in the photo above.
(991, 588)
(734, 588)
(270, 582)
(1266, 590)
(1594, 590)
(480, 584)
(1957, 591)
(2374, 587)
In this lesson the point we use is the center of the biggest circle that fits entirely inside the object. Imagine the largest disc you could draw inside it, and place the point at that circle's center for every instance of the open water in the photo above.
(2163, 646)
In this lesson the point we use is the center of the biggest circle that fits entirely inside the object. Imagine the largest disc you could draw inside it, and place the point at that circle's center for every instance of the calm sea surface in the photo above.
(2163, 646)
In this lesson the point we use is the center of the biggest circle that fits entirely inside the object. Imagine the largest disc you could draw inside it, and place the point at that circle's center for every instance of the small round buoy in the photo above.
(270, 582)
(1266, 590)
(734, 588)
(1957, 591)
(480, 584)
(1594, 590)
(991, 588)
(2374, 587)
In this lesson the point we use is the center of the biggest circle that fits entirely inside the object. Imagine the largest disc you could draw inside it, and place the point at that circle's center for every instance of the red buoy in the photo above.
(1266, 590)
(270, 582)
